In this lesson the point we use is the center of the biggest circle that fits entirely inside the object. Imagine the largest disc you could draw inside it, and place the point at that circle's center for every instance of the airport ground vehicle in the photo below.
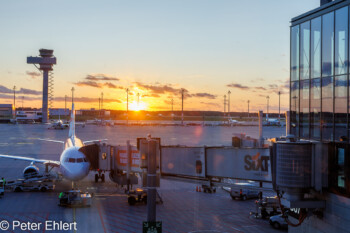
(243, 193)
(75, 198)
(2, 188)
(278, 222)
(140, 196)
(41, 183)
(266, 207)
(208, 188)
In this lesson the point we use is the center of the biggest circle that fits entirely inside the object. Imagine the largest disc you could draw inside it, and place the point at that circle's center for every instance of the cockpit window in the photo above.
(71, 160)
(80, 160)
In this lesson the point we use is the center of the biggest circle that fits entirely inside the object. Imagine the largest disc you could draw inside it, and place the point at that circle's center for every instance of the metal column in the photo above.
(45, 96)
(152, 181)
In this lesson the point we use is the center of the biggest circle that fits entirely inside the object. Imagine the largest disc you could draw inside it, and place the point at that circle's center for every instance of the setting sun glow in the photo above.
(137, 107)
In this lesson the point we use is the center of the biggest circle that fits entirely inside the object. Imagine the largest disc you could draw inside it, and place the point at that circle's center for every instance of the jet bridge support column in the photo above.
(128, 163)
(151, 180)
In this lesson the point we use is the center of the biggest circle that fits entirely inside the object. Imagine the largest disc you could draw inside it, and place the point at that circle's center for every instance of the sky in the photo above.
(154, 48)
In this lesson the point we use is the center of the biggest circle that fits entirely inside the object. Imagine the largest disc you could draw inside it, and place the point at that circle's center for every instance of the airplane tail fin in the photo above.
(71, 134)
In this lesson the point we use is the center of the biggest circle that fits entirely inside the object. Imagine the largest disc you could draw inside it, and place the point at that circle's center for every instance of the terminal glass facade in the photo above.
(319, 99)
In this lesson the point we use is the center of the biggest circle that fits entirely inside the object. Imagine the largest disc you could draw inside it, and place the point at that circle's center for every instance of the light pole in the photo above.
(22, 101)
(248, 107)
(72, 95)
(229, 103)
(65, 105)
(267, 113)
(172, 106)
(14, 98)
(99, 107)
(279, 106)
(182, 106)
(224, 105)
(101, 100)
(127, 106)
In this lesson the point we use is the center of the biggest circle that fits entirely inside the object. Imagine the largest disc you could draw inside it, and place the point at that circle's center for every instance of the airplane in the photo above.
(58, 125)
(73, 164)
(273, 122)
(234, 122)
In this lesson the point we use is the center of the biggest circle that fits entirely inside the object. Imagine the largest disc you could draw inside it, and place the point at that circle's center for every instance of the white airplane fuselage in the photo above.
(73, 163)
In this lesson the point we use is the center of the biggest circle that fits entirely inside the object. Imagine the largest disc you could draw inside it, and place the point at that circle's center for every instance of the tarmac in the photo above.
(183, 209)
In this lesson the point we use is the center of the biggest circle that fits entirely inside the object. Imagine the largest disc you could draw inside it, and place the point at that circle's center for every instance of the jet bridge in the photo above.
(194, 163)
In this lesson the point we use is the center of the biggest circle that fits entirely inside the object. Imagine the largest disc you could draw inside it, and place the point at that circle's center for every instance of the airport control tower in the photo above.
(45, 61)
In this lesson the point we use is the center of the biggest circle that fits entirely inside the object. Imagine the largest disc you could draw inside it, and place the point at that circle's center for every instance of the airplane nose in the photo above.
(75, 173)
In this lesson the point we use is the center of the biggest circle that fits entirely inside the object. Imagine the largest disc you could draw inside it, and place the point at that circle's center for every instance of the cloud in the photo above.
(151, 95)
(159, 89)
(33, 74)
(89, 84)
(260, 88)
(238, 86)
(111, 85)
(97, 85)
(4, 96)
(24, 91)
(88, 100)
(203, 95)
(29, 92)
(5, 90)
(273, 86)
(100, 77)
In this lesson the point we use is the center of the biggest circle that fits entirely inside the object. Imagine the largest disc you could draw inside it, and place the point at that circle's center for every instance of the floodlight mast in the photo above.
(45, 60)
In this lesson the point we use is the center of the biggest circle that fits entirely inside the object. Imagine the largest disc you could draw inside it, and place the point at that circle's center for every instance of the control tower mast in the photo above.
(46, 60)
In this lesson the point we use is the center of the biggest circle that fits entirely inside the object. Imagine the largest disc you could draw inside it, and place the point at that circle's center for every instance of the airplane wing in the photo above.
(33, 160)
(49, 140)
(97, 140)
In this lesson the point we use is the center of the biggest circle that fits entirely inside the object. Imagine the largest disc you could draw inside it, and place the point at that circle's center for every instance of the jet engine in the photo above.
(30, 171)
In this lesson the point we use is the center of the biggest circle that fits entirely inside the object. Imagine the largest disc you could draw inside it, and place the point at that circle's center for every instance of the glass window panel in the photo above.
(327, 109)
(305, 50)
(341, 41)
(294, 114)
(304, 108)
(315, 108)
(341, 167)
(340, 106)
(295, 53)
(327, 44)
(316, 48)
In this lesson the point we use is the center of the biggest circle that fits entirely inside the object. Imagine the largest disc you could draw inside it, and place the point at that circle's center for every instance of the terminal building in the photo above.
(6, 112)
(319, 107)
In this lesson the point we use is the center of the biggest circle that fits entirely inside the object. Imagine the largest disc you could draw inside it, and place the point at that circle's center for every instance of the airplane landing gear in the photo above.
(100, 176)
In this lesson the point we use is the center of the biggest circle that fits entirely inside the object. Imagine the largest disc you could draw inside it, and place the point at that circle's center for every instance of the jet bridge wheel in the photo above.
(131, 200)
(100, 176)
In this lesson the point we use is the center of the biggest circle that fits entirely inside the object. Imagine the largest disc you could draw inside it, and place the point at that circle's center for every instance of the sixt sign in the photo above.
(239, 163)
(256, 163)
